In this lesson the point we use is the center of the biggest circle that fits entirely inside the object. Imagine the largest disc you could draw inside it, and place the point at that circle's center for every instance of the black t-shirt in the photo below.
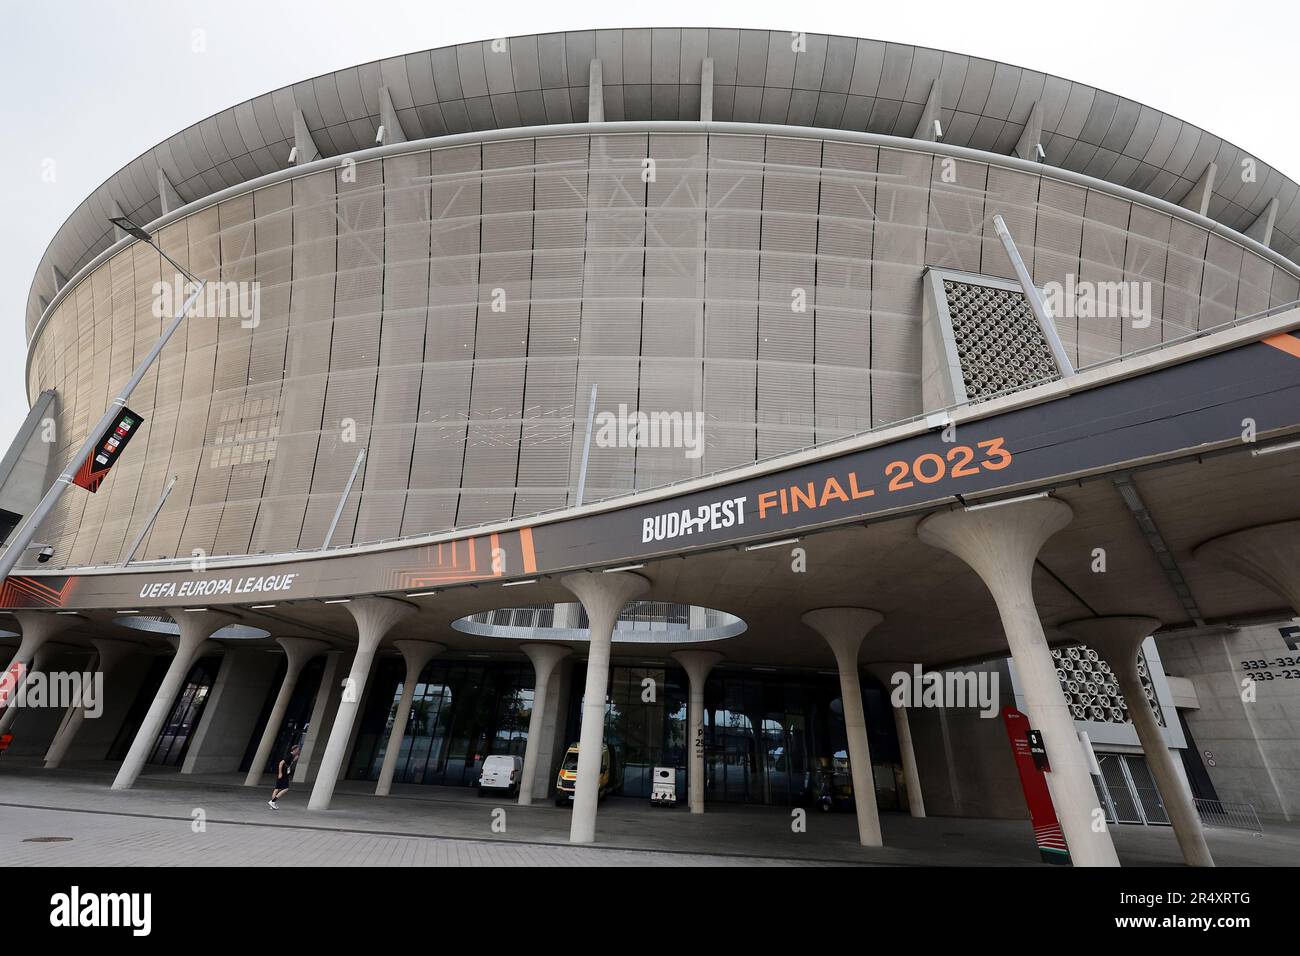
(288, 760)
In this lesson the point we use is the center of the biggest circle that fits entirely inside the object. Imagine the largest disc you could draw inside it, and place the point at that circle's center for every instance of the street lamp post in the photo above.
(24, 534)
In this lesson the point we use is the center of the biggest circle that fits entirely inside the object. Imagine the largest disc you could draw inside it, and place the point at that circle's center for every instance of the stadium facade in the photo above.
(537, 372)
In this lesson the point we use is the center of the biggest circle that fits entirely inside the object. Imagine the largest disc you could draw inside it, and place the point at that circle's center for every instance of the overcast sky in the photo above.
(91, 84)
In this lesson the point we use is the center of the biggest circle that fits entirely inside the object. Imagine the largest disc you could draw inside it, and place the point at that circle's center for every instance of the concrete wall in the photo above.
(1251, 749)
(35, 726)
(24, 468)
(965, 761)
(120, 691)
(325, 706)
(231, 711)
(553, 745)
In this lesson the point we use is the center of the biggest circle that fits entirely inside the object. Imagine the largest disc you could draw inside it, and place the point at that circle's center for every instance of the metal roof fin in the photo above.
(1198, 197)
(1261, 230)
(930, 128)
(1030, 145)
(706, 90)
(388, 118)
(304, 146)
(596, 95)
(167, 193)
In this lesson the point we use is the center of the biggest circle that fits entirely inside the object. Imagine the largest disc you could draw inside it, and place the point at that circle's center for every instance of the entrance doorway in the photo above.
(173, 740)
(1128, 792)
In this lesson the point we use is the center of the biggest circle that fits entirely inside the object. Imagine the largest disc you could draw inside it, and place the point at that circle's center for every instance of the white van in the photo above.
(501, 772)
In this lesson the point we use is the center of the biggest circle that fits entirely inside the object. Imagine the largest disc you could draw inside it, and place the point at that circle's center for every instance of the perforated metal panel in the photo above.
(771, 285)
(1091, 689)
(1000, 346)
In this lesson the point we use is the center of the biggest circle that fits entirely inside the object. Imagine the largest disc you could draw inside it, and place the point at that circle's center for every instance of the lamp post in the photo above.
(23, 536)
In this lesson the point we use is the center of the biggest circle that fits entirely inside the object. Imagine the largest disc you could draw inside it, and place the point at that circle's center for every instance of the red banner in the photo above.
(1042, 815)
(95, 468)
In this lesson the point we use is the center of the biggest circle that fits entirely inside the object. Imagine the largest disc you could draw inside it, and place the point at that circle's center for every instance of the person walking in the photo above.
(283, 777)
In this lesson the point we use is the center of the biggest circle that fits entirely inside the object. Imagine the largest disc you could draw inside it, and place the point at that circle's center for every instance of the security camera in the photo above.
(45, 553)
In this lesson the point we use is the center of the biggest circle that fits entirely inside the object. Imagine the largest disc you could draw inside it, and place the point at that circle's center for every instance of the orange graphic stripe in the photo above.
(526, 545)
(1286, 342)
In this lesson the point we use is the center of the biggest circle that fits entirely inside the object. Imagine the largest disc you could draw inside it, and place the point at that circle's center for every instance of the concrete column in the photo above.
(297, 652)
(70, 711)
(1268, 554)
(545, 658)
(375, 617)
(1118, 640)
(109, 653)
(90, 667)
(195, 628)
(555, 729)
(843, 628)
(604, 597)
(1001, 544)
(884, 671)
(697, 665)
(363, 701)
(323, 709)
(40, 725)
(37, 627)
(416, 654)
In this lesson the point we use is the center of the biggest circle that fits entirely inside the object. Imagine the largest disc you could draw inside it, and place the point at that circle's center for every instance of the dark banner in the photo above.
(95, 468)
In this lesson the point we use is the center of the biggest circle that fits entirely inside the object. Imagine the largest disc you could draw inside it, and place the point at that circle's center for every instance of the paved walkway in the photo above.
(154, 824)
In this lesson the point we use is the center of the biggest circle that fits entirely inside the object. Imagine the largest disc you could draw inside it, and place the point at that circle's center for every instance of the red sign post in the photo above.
(1042, 815)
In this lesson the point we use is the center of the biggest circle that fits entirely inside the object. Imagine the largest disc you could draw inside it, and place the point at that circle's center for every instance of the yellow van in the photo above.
(567, 778)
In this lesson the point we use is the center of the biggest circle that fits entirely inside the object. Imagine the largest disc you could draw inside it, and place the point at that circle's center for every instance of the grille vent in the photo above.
(1090, 687)
(1000, 346)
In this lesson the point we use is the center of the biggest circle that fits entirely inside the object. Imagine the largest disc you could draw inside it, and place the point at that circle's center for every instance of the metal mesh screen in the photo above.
(999, 343)
(1091, 689)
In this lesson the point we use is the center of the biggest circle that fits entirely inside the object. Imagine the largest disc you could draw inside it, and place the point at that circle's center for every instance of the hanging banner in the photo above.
(1042, 815)
(95, 468)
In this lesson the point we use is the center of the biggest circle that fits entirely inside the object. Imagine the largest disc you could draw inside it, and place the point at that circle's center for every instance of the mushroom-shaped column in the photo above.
(297, 652)
(195, 628)
(545, 658)
(843, 628)
(603, 596)
(416, 654)
(1268, 554)
(1118, 640)
(697, 665)
(884, 672)
(1000, 544)
(37, 627)
(375, 617)
(108, 655)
